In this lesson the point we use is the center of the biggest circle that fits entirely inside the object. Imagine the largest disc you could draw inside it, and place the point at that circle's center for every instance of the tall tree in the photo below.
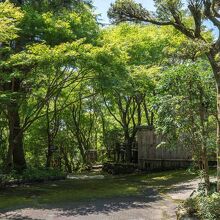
(47, 32)
(186, 114)
(10, 17)
(190, 23)
(131, 58)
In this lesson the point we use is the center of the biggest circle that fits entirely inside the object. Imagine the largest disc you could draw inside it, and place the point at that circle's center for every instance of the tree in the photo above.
(190, 23)
(131, 56)
(41, 59)
(186, 110)
(10, 17)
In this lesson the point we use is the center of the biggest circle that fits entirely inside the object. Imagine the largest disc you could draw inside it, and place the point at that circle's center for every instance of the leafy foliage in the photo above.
(68, 87)
(10, 16)
(205, 207)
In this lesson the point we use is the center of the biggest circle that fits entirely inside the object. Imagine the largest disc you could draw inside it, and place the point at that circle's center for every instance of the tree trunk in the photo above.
(9, 158)
(218, 137)
(82, 152)
(128, 148)
(49, 140)
(205, 167)
(203, 120)
(128, 153)
(16, 150)
(216, 70)
(68, 167)
(49, 155)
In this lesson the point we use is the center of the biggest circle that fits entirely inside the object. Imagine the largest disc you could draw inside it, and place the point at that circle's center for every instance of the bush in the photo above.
(119, 168)
(191, 206)
(4, 179)
(209, 206)
(39, 175)
(206, 207)
(31, 175)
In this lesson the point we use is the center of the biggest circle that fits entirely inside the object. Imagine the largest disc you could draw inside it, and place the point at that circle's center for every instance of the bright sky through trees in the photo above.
(102, 7)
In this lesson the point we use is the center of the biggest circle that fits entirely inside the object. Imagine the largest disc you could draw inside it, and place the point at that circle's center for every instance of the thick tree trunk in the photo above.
(16, 150)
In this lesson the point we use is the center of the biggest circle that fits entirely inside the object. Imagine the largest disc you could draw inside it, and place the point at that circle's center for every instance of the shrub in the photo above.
(209, 206)
(31, 175)
(191, 206)
(40, 174)
(206, 207)
(119, 168)
(3, 180)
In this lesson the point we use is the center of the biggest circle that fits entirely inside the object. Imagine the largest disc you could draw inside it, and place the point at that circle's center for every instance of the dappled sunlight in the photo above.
(162, 177)
(136, 193)
(87, 189)
(109, 122)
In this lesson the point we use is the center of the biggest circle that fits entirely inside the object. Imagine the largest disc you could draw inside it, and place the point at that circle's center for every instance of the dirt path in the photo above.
(150, 206)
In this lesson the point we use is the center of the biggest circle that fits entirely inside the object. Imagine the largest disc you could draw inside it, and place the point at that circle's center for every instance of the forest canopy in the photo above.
(69, 86)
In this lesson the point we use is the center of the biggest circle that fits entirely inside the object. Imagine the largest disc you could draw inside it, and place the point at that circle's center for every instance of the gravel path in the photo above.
(150, 206)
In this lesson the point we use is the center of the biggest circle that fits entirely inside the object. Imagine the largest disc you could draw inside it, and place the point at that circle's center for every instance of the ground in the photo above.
(137, 197)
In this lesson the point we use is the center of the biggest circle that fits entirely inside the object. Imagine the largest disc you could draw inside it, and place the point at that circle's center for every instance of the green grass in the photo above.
(79, 190)
(65, 191)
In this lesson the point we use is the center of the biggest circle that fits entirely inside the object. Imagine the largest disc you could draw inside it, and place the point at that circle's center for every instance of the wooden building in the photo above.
(150, 157)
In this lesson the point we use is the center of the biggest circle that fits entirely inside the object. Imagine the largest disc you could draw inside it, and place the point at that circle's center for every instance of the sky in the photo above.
(102, 7)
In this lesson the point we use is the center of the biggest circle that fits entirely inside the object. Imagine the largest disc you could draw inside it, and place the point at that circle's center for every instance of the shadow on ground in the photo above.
(126, 197)
(99, 206)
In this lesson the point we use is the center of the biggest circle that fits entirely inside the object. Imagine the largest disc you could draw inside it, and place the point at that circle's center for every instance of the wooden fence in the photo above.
(150, 157)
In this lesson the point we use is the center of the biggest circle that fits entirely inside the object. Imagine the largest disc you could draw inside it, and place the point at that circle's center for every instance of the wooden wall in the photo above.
(150, 157)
